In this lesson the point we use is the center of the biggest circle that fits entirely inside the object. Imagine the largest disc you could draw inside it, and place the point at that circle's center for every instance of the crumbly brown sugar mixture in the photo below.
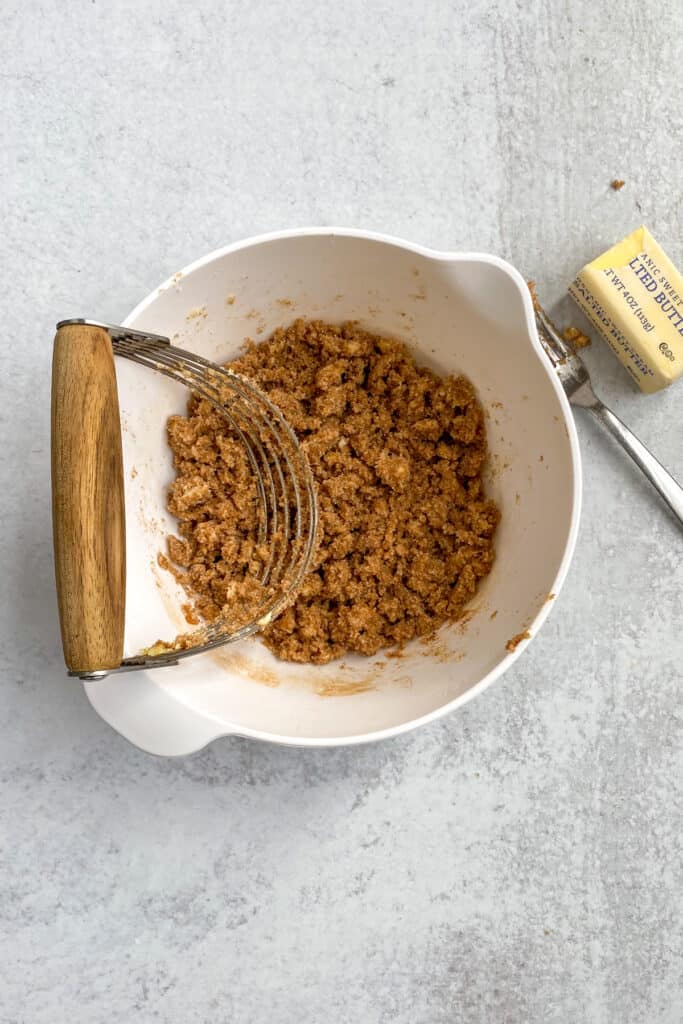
(575, 337)
(397, 454)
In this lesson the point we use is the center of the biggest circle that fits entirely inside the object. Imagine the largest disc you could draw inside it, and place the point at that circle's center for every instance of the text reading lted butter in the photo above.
(633, 294)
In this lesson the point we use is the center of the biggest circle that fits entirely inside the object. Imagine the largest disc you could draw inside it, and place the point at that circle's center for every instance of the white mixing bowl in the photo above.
(465, 313)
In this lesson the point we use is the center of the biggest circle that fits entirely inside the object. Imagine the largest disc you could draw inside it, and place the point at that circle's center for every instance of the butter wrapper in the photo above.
(633, 294)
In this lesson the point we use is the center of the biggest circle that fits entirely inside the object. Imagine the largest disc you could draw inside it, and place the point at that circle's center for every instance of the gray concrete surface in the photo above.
(518, 862)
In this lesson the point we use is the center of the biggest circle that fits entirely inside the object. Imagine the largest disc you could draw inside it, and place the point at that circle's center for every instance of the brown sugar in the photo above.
(514, 642)
(531, 285)
(397, 452)
(575, 337)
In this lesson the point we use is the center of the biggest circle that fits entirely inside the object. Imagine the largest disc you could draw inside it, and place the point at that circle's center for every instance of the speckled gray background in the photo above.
(518, 862)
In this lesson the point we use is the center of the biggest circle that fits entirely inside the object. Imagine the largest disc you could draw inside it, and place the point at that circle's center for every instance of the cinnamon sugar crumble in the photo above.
(397, 454)
(514, 642)
(531, 285)
(575, 337)
(572, 335)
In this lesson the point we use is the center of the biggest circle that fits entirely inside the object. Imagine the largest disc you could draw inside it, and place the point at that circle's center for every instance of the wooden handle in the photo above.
(88, 517)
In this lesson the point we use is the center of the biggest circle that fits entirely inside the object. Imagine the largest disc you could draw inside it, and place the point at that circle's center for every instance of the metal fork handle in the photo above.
(661, 480)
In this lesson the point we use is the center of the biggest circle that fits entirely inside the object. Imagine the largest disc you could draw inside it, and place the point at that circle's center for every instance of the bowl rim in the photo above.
(222, 728)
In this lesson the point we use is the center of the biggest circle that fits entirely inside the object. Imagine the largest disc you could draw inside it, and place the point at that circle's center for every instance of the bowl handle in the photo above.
(88, 515)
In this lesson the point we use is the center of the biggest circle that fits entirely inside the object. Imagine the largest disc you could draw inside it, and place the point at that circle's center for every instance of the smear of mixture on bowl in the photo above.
(397, 452)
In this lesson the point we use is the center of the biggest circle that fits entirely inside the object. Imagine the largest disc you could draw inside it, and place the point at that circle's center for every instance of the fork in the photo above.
(575, 380)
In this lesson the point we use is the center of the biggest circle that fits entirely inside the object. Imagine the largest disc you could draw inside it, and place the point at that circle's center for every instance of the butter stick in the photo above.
(633, 295)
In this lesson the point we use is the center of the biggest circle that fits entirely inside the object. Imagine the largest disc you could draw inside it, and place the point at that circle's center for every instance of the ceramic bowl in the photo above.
(459, 312)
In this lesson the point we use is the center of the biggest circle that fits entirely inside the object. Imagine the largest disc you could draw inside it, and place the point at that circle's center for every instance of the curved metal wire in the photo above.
(288, 507)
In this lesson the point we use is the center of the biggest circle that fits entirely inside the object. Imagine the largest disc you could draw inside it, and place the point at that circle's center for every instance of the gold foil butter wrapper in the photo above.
(633, 295)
